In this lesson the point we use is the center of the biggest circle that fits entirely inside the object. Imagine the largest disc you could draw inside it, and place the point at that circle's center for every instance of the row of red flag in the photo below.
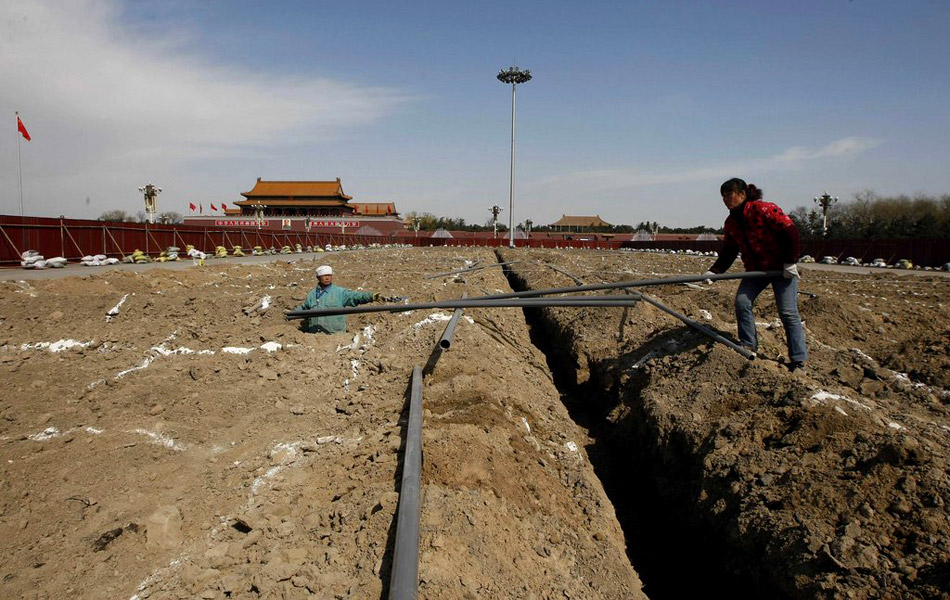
(200, 208)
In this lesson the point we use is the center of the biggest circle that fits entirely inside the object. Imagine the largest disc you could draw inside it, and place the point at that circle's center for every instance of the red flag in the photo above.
(213, 207)
(224, 206)
(21, 128)
(192, 206)
(201, 208)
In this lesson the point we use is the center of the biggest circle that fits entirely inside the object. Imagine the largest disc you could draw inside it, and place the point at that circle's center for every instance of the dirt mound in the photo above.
(193, 443)
(833, 483)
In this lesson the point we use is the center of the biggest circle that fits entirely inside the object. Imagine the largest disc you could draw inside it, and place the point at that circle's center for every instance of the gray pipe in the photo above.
(701, 328)
(445, 342)
(578, 301)
(635, 283)
(404, 583)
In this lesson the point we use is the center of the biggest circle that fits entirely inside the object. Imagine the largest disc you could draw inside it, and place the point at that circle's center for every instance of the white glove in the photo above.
(709, 281)
(790, 271)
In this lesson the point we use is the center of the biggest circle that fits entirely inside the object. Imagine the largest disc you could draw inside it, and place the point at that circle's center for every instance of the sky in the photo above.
(637, 111)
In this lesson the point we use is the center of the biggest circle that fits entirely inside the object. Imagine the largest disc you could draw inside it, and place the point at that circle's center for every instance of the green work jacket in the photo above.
(332, 296)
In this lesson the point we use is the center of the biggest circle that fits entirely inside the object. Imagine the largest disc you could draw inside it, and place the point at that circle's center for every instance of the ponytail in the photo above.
(737, 185)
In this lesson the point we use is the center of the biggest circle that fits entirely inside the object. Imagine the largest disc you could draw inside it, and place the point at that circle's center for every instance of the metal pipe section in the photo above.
(445, 342)
(579, 301)
(635, 283)
(701, 328)
(404, 583)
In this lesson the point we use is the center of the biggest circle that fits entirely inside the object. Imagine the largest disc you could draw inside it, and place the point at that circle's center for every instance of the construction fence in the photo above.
(76, 238)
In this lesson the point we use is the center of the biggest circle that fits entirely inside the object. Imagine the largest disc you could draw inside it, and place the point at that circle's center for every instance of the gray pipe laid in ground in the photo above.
(404, 583)
(445, 342)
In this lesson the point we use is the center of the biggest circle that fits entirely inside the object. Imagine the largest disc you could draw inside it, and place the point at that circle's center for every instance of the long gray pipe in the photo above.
(634, 283)
(404, 583)
(294, 314)
(700, 328)
(473, 303)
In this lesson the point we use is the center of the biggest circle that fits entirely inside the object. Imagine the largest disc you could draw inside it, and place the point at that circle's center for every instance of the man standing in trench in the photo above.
(327, 295)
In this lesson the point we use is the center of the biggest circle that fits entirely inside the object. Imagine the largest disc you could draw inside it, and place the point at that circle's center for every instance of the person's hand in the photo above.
(708, 281)
(790, 271)
(377, 297)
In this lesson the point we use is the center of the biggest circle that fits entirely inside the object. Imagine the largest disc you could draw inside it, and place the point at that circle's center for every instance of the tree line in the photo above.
(869, 216)
(121, 216)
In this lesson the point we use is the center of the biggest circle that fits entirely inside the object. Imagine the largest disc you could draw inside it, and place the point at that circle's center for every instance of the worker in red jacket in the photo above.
(768, 241)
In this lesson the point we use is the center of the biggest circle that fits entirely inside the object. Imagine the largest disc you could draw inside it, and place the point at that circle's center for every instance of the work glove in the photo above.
(709, 281)
(790, 271)
(377, 297)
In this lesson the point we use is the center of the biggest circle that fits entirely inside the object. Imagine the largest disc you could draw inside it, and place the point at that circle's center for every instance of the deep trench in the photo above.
(671, 550)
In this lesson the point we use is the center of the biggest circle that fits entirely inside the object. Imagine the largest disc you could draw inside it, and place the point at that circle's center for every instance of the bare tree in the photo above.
(171, 218)
(115, 215)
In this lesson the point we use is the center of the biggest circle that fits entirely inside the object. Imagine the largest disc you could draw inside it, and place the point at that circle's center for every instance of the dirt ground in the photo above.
(182, 448)
(188, 448)
(832, 483)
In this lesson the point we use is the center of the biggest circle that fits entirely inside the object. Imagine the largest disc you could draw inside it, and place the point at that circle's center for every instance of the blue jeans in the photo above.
(786, 299)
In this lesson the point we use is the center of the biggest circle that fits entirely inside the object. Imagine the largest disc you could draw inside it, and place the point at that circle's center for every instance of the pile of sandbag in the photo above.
(257, 251)
(137, 257)
(237, 251)
(169, 254)
(299, 249)
(31, 259)
(197, 256)
(286, 250)
(97, 260)
(220, 252)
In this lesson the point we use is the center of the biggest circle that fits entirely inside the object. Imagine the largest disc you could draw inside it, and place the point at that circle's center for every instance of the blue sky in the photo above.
(637, 110)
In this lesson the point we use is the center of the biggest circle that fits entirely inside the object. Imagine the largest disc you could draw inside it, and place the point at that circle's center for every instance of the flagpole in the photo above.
(19, 168)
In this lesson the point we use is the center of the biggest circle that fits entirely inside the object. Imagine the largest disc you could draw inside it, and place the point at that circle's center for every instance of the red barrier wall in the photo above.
(75, 238)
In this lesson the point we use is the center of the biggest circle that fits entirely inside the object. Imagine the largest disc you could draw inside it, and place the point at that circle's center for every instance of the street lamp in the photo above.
(259, 214)
(514, 76)
(494, 219)
(825, 201)
(151, 206)
(527, 225)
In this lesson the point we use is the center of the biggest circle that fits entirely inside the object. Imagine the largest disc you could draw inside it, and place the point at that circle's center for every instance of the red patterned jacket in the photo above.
(764, 234)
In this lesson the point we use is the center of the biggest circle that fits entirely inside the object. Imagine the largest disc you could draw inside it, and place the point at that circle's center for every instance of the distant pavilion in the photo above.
(578, 224)
(295, 199)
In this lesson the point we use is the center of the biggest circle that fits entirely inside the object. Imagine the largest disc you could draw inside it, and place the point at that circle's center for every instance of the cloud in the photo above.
(102, 93)
(794, 158)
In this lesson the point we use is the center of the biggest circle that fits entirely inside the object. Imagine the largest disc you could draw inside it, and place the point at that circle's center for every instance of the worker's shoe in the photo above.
(796, 368)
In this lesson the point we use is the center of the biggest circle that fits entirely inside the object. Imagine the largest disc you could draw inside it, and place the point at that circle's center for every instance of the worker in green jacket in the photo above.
(327, 295)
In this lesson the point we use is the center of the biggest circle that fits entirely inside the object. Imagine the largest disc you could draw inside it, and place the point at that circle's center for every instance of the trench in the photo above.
(673, 551)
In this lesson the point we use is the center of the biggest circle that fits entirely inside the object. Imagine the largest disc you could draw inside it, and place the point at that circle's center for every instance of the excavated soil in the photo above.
(195, 446)
(832, 483)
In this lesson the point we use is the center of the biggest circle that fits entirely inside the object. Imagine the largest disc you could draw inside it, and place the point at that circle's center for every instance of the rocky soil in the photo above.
(196, 444)
(832, 483)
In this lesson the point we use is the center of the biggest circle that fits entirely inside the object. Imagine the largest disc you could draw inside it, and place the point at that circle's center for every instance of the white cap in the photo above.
(324, 270)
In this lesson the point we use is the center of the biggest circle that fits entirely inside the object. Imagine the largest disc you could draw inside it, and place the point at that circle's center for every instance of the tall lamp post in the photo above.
(514, 76)
(151, 205)
(825, 201)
